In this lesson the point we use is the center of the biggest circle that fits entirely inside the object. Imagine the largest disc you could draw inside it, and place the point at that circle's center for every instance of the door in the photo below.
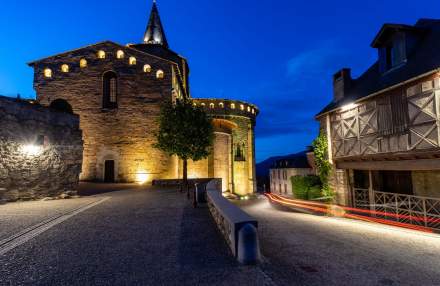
(109, 171)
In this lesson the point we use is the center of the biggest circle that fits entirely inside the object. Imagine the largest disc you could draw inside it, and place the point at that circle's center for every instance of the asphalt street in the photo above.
(319, 250)
(136, 237)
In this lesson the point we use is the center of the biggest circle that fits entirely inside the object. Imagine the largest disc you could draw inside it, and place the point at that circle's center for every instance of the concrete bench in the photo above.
(237, 227)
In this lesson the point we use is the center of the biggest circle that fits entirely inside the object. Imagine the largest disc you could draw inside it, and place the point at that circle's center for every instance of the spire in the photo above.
(155, 33)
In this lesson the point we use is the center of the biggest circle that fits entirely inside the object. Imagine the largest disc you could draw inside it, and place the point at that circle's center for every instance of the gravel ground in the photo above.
(304, 249)
(138, 237)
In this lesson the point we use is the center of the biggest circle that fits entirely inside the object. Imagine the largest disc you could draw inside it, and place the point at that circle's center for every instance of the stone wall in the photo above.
(40, 151)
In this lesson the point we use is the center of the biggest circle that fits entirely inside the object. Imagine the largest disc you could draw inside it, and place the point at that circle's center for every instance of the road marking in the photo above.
(23, 236)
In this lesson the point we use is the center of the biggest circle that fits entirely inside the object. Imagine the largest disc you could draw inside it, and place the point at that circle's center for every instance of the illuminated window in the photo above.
(211, 105)
(241, 106)
(253, 111)
(195, 104)
(249, 109)
(221, 105)
(101, 54)
(132, 61)
(147, 68)
(120, 54)
(203, 104)
(110, 90)
(160, 74)
(65, 68)
(83, 63)
(47, 73)
(233, 105)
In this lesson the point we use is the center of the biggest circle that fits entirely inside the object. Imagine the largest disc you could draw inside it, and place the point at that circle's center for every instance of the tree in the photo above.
(185, 130)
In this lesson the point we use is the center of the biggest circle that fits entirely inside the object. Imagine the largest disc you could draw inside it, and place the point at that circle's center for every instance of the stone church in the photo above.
(117, 91)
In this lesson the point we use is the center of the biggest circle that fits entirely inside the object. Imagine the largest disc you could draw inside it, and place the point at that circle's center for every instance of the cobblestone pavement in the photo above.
(317, 250)
(136, 237)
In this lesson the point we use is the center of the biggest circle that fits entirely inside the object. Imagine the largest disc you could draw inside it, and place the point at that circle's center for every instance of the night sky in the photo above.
(279, 55)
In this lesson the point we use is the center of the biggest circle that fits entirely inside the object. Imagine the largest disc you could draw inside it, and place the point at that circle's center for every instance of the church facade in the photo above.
(117, 91)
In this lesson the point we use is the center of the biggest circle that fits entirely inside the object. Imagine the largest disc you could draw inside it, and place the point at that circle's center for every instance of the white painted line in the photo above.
(18, 239)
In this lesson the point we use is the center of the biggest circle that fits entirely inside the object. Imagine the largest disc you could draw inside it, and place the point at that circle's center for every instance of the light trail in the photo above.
(357, 210)
(325, 209)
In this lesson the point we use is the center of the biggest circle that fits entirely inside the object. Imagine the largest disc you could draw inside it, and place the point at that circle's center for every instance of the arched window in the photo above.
(101, 54)
(232, 105)
(147, 68)
(83, 63)
(241, 106)
(160, 74)
(47, 73)
(61, 105)
(65, 68)
(221, 105)
(211, 105)
(109, 90)
(132, 61)
(120, 54)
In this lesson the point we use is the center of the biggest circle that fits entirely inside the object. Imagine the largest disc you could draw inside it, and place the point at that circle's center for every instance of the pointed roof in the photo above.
(155, 33)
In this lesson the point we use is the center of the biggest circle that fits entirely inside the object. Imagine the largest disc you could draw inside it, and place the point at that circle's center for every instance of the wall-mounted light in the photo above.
(31, 149)
(348, 106)
(141, 177)
(35, 148)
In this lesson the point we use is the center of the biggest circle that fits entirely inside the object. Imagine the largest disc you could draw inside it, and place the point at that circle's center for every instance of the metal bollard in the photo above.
(248, 250)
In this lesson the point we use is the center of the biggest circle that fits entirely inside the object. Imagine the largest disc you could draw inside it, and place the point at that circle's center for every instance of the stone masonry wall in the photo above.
(124, 134)
(40, 151)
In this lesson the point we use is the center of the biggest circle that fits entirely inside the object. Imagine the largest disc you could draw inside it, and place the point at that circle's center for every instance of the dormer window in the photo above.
(395, 52)
(391, 42)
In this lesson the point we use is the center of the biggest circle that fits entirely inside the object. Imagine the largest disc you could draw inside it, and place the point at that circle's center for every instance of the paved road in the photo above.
(137, 237)
(313, 250)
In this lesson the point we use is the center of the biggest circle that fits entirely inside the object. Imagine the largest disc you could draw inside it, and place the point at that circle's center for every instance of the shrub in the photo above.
(300, 187)
(306, 187)
(314, 192)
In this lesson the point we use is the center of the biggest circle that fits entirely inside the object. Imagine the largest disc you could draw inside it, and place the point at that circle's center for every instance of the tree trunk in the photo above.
(185, 177)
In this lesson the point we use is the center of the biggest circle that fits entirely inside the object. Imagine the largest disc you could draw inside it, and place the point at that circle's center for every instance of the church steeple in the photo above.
(155, 33)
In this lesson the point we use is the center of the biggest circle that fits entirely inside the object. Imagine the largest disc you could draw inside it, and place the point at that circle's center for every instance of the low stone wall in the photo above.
(237, 227)
(40, 151)
(178, 182)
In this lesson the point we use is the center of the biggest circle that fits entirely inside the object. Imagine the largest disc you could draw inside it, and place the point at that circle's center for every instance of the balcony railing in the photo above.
(416, 210)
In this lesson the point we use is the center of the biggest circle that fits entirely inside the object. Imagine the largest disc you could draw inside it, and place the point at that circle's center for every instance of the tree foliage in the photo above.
(185, 130)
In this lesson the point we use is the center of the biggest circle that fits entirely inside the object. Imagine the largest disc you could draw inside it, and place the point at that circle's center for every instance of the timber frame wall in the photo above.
(356, 141)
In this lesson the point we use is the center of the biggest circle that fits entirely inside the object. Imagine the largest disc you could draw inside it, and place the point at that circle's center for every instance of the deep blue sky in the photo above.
(279, 55)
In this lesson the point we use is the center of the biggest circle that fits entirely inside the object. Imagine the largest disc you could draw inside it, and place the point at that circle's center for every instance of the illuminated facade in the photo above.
(117, 91)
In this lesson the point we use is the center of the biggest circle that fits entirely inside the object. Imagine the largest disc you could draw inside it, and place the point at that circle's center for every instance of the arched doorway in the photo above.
(61, 105)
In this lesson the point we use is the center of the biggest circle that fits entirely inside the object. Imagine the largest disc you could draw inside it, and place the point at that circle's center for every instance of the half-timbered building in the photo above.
(383, 127)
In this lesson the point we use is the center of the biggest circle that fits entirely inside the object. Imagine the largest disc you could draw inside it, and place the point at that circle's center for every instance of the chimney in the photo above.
(341, 83)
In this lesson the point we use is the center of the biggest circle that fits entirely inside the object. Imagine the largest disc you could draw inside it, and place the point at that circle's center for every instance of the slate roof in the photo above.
(424, 58)
(155, 34)
(298, 160)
